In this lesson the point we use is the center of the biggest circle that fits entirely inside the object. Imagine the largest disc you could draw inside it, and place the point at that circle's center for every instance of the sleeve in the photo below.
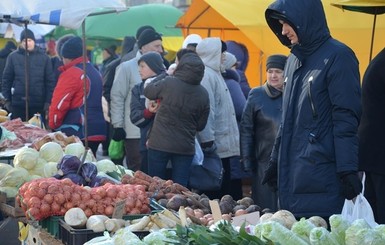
(138, 108)
(207, 134)
(8, 76)
(62, 98)
(119, 92)
(153, 89)
(246, 129)
(108, 79)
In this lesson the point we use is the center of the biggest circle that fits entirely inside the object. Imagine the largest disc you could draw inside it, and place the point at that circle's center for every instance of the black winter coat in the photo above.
(41, 78)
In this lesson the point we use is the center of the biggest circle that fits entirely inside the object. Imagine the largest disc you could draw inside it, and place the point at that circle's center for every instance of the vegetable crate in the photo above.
(51, 224)
(10, 207)
(71, 236)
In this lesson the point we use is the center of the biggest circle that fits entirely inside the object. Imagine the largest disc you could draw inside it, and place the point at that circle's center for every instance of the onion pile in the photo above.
(46, 197)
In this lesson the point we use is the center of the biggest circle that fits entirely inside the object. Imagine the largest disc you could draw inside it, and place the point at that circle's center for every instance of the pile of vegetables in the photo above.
(41, 198)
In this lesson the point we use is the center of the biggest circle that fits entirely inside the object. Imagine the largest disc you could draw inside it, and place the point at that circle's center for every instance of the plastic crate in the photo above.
(51, 224)
(71, 236)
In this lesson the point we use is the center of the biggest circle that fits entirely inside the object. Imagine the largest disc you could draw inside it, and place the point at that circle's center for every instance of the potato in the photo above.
(253, 208)
(176, 201)
(246, 201)
(236, 208)
(198, 213)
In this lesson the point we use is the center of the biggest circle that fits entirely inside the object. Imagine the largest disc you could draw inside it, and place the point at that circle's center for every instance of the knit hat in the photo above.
(27, 33)
(154, 60)
(111, 50)
(142, 29)
(61, 41)
(73, 48)
(276, 61)
(148, 36)
(230, 60)
(192, 39)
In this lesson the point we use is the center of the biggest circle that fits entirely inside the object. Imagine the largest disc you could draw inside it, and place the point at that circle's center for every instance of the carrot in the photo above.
(141, 175)
(137, 181)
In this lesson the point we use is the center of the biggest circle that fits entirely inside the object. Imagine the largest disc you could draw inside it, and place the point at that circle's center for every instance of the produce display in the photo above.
(45, 197)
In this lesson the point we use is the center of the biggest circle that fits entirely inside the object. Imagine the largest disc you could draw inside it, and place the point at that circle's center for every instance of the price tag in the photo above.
(182, 216)
(215, 210)
(119, 210)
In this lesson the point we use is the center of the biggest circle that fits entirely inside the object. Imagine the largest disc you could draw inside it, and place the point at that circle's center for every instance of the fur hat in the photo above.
(276, 61)
(148, 36)
(27, 33)
(154, 61)
(72, 49)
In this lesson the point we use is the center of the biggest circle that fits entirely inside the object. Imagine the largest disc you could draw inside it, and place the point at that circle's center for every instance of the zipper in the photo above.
(314, 112)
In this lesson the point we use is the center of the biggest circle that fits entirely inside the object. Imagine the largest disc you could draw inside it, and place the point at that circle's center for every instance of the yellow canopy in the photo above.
(244, 21)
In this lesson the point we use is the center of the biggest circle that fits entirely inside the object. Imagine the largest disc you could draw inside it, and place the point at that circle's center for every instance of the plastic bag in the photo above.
(37, 121)
(359, 209)
(116, 149)
(198, 157)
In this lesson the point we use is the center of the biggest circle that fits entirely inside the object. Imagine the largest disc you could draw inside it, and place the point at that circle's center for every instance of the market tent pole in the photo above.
(26, 74)
(85, 84)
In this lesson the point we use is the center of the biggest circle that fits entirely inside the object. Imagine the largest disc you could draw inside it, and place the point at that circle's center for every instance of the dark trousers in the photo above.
(19, 112)
(133, 157)
(374, 193)
(181, 164)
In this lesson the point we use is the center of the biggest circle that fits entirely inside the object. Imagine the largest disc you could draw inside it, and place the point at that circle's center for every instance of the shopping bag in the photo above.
(359, 209)
(116, 149)
(198, 157)
(207, 176)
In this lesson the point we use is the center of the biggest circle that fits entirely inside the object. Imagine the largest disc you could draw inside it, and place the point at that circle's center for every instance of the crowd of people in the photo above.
(303, 137)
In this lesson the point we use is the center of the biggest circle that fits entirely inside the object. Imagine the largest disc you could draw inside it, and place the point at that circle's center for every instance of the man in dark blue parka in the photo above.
(315, 158)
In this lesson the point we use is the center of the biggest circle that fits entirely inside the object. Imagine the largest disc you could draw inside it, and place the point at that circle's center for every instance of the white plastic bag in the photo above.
(198, 157)
(359, 209)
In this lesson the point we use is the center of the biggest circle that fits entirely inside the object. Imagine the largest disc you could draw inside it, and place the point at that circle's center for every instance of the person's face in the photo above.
(106, 55)
(275, 78)
(155, 46)
(30, 44)
(289, 32)
(145, 71)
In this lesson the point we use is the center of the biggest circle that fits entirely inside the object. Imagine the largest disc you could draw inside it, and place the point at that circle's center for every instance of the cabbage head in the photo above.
(39, 167)
(105, 166)
(50, 169)
(15, 178)
(26, 158)
(10, 191)
(75, 149)
(4, 169)
(51, 152)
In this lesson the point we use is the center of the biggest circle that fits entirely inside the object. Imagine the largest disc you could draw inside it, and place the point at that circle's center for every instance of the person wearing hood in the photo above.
(314, 162)
(183, 112)
(4, 52)
(258, 129)
(242, 54)
(221, 132)
(41, 80)
(67, 110)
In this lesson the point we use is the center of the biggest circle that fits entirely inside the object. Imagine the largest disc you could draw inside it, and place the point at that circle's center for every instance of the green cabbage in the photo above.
(75, 149)
(321, 236)
(50, 169)
(360, 233)
(123, 235)
(51, 152)
(278, 233)
(106, 166)
(10, 191)
(303, 228)
(26, 158)
(15, 178)
(4, 169)
(338, 227)
(39, 167)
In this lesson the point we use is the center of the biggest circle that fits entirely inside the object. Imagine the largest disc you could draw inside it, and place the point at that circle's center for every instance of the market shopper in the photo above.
(126, 77)
(67, 110)
(40, 75)
(258, 128)
(142, 115)
(221, 131)
(183, 112)
(9, 47)
(315, 158)
(371, 133)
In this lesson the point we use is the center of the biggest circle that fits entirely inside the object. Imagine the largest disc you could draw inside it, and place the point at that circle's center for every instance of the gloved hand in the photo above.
(8, 106)
(247, 165)
(351, 184)
(271, 174)
(46, 106)
(207, 144)
(118, 134)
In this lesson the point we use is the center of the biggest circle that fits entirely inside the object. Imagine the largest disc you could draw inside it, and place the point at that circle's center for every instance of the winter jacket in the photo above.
(258, 129)
(66, 112)
(222, 125)
(371, 130)
(126, 77)
(4, 52)
(321, 112)
(184, 108)
(242, 54)
(140, 116)
(41, 79)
